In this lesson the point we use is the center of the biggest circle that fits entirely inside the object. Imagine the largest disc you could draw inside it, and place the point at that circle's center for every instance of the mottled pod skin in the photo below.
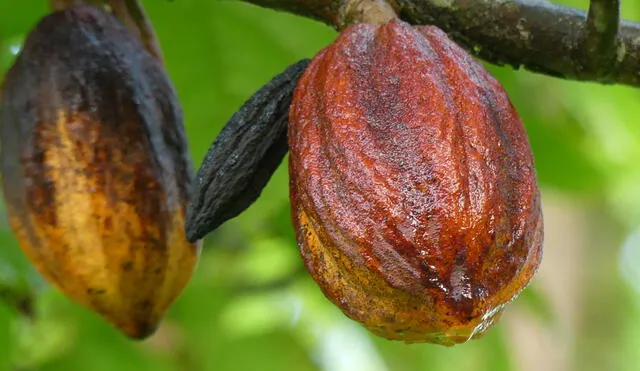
(95, 168)
(413, 190)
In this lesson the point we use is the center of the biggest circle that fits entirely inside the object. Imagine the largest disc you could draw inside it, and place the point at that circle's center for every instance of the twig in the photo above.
(600, 39)
(537, 35)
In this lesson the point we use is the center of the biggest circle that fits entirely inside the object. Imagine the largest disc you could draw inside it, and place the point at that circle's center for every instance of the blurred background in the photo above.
(251, 305)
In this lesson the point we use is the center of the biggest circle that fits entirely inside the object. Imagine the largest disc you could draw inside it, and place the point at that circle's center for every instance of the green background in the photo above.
(251, 306)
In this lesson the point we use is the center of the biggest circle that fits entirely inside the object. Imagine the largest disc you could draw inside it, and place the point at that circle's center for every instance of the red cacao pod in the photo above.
(96, 171)
(413, 190)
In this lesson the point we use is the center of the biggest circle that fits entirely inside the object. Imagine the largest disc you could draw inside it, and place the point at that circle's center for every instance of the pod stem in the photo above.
(132, 14)
(377, 12)
(64, 4)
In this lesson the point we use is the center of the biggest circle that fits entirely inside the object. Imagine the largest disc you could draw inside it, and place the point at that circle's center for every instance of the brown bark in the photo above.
(542, 37)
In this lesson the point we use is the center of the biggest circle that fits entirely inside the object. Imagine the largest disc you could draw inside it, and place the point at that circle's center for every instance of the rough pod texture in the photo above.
(96, 169)
(243, 157)
(412, 184)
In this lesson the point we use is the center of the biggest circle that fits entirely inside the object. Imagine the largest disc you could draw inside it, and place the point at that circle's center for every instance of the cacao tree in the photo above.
(414, 199)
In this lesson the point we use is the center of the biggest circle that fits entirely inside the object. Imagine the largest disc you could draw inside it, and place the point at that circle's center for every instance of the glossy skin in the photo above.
(96, 170)
(413, 190)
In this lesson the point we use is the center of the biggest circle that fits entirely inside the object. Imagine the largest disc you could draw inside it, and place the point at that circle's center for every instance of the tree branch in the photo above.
(327, 11)
(542, 37)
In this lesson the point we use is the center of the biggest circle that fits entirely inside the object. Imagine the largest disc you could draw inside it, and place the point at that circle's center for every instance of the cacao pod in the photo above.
(414, 195)
(243, 157)
(95, 167)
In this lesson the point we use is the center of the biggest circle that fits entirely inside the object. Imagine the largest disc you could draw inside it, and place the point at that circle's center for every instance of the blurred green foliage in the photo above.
(251, 306)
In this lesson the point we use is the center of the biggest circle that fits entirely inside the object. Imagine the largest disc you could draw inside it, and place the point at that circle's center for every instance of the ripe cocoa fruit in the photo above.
(244, 156)
(96, 171)
(413, 190)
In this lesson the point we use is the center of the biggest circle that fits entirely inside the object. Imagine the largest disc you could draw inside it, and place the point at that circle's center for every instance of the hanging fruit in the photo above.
(244, 155)
(414, 195)
(96, 171)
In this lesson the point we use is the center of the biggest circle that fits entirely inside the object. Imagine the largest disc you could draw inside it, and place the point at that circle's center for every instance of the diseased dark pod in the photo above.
(243, 157)
(413, 190)
(96, 171)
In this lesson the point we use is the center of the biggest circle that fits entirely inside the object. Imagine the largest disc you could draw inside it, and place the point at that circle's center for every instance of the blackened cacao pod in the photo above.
(95, 168)
(413, 190)
(244, 156)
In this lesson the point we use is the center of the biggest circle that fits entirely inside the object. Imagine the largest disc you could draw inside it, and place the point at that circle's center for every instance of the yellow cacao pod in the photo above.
(95, 167)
